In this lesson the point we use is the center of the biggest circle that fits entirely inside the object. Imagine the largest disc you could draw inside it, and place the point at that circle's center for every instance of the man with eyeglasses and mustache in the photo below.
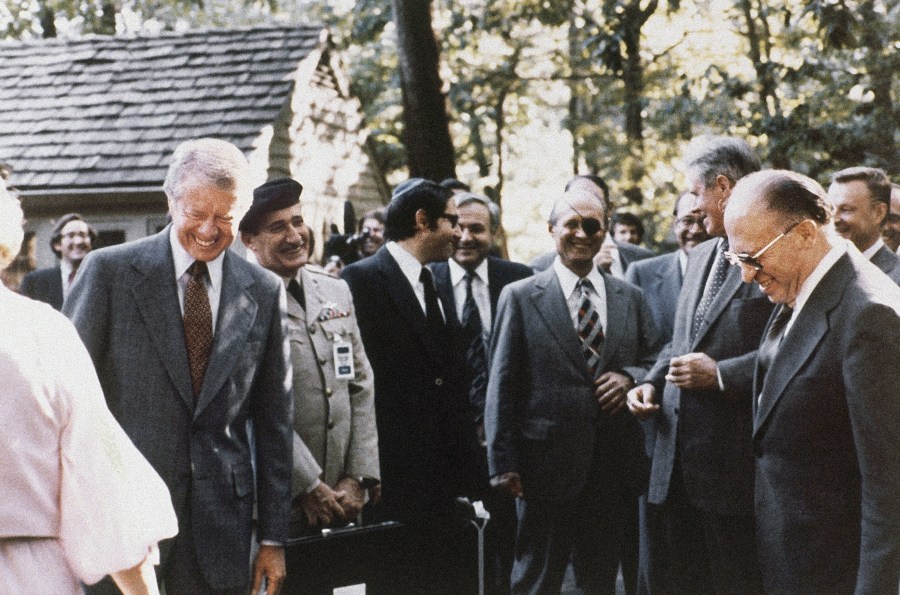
(825, 395)
(71, 241)
(428, 449)
(700, 500)
(567, 345)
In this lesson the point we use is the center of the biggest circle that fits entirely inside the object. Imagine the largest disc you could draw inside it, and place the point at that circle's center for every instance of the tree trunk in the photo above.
(47, 18)
(426, 130)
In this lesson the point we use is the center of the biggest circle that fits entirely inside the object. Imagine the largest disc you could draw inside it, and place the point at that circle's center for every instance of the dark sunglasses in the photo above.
(453, 219)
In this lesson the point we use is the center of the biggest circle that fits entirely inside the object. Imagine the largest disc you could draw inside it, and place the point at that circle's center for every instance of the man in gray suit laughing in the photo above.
(567, 345)
(188, 341)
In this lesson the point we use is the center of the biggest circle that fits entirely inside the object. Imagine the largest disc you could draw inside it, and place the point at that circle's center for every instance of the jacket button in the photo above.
(675, 410)
(328, 391)
(312, 330)
(321, 361)
(439, 381)
(330, 424)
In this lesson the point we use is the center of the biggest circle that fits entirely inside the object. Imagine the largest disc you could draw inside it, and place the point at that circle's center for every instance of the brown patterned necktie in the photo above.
(198, 333)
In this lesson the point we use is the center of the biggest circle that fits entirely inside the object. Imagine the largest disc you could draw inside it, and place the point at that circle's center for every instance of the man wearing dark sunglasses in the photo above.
(700, 511)
(567, 344)
(826, 412)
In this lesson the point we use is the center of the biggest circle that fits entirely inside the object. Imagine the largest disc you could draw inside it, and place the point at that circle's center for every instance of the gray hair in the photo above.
(210, 161)
(713, 156)
(11, 232)
(465, 198)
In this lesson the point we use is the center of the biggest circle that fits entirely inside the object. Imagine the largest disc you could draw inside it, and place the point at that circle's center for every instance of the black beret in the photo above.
(274, 195)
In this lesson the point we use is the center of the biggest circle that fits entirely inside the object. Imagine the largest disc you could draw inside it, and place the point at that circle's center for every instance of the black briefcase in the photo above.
(339, 557)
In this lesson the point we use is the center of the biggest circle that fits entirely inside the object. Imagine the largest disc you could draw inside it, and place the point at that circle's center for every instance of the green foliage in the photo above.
(809, 83)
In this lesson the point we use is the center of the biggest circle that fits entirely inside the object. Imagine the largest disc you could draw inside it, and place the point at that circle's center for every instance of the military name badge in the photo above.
(343, 360)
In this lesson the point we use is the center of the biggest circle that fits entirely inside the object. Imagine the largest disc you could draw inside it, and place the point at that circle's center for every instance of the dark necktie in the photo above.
(295, 290)
(476, 356)
(714, 285)
(198, 333)
(435, 321)
(770, 344)
(590, 331)
(71, 278)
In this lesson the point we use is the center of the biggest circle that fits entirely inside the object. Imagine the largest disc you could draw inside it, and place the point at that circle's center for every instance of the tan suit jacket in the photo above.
(334, 418)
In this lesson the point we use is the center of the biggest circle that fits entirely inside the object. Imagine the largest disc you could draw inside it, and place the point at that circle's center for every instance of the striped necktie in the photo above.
(476, 356)
(590, 331)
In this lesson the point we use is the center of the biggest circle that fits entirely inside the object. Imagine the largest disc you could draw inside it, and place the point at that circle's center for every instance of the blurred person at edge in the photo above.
(79, 501)
(71, 240)
(862, 202)
(890, 231)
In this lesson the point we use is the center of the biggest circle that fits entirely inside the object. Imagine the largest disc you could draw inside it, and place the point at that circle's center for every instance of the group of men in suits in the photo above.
(432, 370)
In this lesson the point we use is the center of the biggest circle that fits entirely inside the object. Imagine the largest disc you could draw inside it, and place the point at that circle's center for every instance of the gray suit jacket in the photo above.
(888, 262)
(660, 280)
(710, 429)
(124, 304)
(826, 438)
(541, 416)
(334, 420)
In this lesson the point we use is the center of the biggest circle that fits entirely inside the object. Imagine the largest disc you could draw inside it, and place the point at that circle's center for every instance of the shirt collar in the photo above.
(66, 267)
(568, 279)
(183, 261)
(871, 250)
(809, 285)
(408, 263)
(458, 273)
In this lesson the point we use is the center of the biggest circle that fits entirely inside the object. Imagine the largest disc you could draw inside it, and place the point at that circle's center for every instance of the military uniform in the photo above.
(334, 418)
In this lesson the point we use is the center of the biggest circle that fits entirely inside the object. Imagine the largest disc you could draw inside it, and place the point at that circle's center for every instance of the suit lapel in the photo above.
(237, 313)
(397, 286)
(495, 286)
(156, 297)
(726, 293)
(551, 306)
(616, 309)
(444, 287)
(798, 346)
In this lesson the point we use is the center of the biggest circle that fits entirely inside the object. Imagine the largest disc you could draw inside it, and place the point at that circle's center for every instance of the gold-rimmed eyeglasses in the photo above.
(752, 261)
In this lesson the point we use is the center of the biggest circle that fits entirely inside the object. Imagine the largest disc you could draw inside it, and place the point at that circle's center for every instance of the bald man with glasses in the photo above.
(826, 412)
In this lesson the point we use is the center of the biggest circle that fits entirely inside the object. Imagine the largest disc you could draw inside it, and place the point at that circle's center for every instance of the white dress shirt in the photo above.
(65, 268)
(809, 284)
(183, 261)
(412, 269)
(480, 292)
(568, 281)
(871, 250)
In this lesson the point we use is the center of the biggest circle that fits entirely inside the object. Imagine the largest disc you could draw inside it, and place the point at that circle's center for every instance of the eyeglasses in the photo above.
(689, 221)
(453, 219)
(72, 235)
(738, 258)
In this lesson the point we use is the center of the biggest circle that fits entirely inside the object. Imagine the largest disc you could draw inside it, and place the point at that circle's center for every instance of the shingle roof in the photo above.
(108, 111)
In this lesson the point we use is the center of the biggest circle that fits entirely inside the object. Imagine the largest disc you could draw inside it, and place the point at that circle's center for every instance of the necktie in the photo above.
(198, 335)
(769, 346)
(294, 289)
(716, 280)
(476, 356)
(71, 278)
(434, 319)
(590, 331)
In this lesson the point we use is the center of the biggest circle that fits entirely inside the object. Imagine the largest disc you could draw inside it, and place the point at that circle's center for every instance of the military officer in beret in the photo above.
(335, 438)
